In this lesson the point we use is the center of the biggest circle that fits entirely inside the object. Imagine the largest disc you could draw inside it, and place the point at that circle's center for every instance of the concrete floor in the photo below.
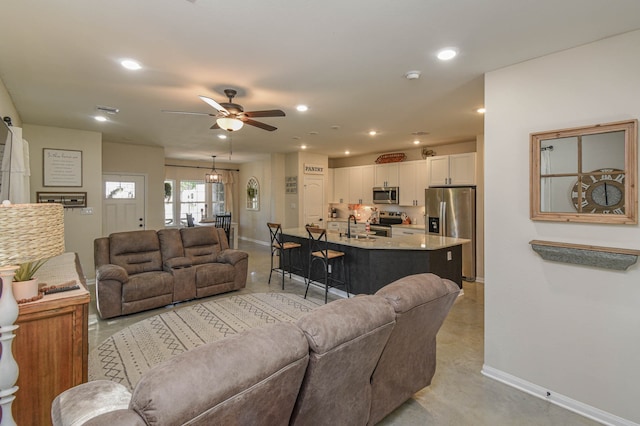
(459, 393)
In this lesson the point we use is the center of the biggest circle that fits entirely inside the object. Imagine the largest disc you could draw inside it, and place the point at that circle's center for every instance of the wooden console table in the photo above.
(51, 345)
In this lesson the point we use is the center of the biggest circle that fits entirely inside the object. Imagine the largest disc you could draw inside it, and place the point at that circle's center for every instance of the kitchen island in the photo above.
(371, 263)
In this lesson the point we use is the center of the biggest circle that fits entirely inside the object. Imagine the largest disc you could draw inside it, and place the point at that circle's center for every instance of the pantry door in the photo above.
(313, 198)
(123, 203)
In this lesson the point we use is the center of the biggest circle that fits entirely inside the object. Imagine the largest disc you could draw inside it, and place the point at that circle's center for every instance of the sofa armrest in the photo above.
(109, 281)
(177, 263)
(232, 256)
(81, 403)
(112, 272)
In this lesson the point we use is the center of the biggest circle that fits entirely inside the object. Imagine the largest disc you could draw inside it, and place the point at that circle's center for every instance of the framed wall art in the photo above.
(61, 167)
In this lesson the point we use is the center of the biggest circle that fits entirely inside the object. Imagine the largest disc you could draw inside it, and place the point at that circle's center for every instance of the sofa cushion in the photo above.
(214, 273)
(136, 251)
(201, 244)
(147, 285)
(170, 243)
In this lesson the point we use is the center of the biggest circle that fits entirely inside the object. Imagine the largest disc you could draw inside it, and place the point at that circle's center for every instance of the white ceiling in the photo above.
(346, 59)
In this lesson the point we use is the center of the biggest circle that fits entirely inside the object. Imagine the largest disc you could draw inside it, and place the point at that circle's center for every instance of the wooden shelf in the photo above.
(580, 254)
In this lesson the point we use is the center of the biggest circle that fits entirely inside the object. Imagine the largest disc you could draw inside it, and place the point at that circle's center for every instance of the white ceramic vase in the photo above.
(25, 289)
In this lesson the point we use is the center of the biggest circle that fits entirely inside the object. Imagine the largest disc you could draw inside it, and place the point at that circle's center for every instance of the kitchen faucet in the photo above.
(355, 222)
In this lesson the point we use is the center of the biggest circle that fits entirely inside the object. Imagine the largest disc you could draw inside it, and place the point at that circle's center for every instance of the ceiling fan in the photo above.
(232, 116)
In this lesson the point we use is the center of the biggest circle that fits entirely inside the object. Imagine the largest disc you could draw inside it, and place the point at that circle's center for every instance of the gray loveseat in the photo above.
(140, 270)
(349, 362)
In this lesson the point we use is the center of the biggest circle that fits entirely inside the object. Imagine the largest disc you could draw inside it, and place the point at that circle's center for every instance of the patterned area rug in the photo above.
(126, 355)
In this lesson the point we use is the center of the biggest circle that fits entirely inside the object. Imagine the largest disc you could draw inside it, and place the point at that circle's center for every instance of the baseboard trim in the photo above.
(555, 398)
(262, 243)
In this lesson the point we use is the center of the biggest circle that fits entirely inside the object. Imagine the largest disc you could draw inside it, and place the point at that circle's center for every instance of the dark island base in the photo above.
(371, 269)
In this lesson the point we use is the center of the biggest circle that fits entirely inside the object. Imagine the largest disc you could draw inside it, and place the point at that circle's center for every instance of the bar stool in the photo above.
(280, 247)
(319, 252)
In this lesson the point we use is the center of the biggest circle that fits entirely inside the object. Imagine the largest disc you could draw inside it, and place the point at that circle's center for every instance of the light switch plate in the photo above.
(86, 210)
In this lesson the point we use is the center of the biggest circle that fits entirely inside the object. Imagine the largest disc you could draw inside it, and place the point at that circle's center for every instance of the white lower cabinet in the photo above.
(399, 231)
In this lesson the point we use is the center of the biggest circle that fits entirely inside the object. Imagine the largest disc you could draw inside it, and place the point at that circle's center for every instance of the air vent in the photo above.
(108, 109)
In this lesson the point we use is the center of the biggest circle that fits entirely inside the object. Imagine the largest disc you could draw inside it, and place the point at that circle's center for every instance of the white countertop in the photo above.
(405, 242)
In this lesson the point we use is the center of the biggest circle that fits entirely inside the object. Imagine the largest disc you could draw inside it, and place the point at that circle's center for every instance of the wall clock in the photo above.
(600, 191)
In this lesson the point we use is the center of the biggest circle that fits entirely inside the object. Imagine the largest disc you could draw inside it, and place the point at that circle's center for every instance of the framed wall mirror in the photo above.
(585, 174)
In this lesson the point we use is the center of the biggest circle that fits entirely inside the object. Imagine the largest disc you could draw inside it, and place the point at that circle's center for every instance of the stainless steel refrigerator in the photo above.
(451, 212)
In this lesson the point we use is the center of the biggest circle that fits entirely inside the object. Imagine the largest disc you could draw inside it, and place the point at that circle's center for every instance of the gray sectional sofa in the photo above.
(349, 362)
(140, 270)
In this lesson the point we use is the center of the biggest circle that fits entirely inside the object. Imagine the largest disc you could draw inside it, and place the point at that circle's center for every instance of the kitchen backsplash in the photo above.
(364, 213)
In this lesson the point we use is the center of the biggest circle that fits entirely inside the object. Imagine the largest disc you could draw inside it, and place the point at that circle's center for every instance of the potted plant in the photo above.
(25, 285)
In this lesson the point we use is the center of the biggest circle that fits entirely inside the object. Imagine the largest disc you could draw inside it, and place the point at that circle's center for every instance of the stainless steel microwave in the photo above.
(386, 195)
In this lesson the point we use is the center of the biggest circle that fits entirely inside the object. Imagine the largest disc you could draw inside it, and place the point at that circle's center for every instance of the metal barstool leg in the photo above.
(271, 271)
(326, 279)
(308, 278)
(283, 264)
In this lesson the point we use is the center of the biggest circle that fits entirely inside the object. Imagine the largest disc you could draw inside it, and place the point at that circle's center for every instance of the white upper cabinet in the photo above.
(360, 184)
(456, 169)
(412, 179)
(341, 185)
(386, 174)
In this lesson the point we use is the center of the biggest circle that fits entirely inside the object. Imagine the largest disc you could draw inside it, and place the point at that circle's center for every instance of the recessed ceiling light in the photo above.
(302, 108)
(100, 118)
(303, 147)
(416, 142)
(130, 64)
(447, 54)
(222, 136)
(372, 133)
(347, 152)
(481, 110)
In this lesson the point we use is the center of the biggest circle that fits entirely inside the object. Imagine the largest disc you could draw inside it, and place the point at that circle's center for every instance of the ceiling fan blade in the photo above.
(188, 112)
(266, 113)
(214, 104)
(215, 126)
(259, 124)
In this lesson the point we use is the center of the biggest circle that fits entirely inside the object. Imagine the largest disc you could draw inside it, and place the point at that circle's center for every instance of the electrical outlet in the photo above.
(329, 268)
(449, 257)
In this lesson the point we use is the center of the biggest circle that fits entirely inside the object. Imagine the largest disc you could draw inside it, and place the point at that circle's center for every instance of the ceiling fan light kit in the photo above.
(229, 124)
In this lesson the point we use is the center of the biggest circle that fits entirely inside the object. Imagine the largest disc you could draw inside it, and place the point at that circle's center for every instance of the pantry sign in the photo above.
(313, 169)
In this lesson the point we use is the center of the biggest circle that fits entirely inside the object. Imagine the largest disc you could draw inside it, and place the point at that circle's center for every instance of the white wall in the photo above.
(79, 230)
(571, 330)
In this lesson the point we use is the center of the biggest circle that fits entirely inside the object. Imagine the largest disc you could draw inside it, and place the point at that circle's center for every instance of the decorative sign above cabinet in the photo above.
(585, 174)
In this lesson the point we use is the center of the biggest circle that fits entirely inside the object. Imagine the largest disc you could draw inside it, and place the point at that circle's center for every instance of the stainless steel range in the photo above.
(385, 220)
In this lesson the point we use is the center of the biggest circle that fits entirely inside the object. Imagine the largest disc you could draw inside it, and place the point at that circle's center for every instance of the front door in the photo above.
(123, 201)
(313, 200)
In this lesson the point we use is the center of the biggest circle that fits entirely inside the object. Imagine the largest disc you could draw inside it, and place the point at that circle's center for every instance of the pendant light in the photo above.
(214, 176)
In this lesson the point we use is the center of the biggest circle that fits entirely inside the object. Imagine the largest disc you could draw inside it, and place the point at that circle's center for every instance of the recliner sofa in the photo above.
(141, 270)
(342, 357)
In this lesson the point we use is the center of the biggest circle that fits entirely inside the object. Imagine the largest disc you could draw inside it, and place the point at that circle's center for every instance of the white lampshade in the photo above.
(229, 124)
(30, 232)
